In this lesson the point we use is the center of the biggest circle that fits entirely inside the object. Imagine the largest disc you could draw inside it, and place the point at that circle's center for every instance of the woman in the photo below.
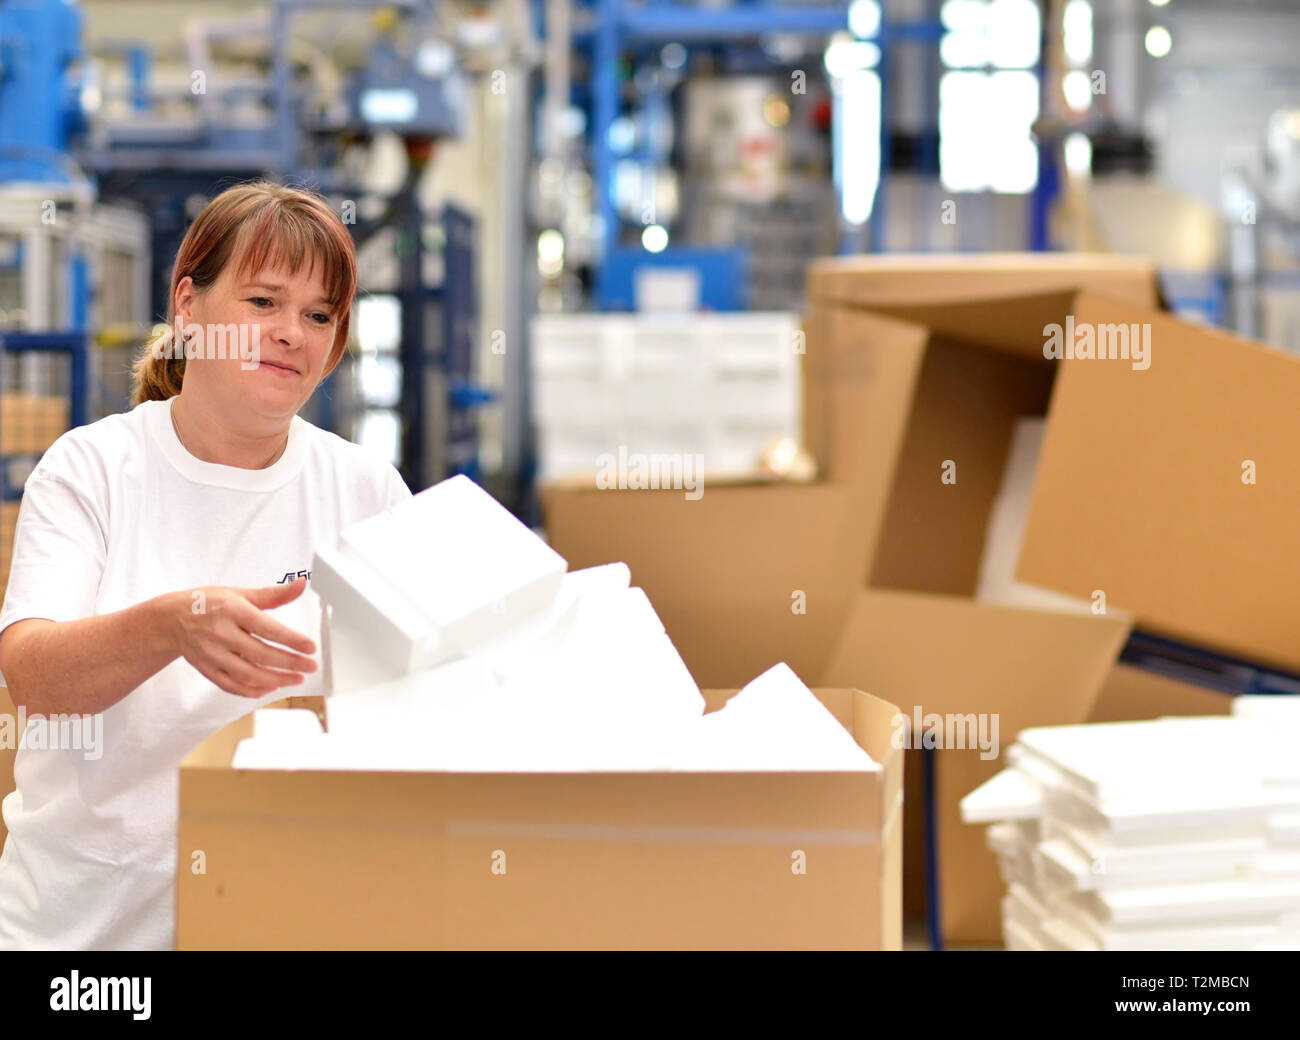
(154, 563)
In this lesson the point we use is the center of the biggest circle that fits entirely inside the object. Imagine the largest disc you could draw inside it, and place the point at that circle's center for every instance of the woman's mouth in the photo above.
(279, 367)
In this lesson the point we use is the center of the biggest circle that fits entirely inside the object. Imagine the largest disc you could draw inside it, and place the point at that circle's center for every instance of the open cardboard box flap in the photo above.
(311, 859)
(1143, 488)
(925, 278)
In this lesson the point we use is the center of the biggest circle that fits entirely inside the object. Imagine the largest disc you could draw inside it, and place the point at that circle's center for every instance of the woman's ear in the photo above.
(185, 293)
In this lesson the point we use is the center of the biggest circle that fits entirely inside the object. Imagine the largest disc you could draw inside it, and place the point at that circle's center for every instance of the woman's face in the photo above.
(265, 338)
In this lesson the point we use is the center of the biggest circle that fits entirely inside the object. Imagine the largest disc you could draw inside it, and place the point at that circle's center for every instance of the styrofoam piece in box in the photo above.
(420, 704)
(379, 616)
(285, 723)
(438, 573)
(331, 753)
(1008, 795)
(541, 633)
(352, 660)
(774, 723)
(614, 659)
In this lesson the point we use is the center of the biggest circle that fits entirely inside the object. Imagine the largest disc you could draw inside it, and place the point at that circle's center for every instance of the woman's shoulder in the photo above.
(352, 462)
(98, 446)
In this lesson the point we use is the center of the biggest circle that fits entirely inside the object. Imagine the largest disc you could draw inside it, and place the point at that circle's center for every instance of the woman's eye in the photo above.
(259, 300)
(321, 319)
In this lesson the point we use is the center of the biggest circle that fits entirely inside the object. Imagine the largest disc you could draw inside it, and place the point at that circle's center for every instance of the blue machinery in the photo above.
(161, 164)
(624, 27)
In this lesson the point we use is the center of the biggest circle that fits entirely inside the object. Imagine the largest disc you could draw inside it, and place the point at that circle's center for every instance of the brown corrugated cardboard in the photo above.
(1175, 490)
(921, 279)
(730, 572)
(637, 860)
(945, 654)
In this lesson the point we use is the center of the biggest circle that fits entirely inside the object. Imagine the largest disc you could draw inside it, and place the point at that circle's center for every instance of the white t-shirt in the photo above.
(118, 512)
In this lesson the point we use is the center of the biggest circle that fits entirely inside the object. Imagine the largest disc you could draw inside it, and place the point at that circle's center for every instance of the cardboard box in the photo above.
(29, 424)
(952, 656)
(323, 860)
(751, 575)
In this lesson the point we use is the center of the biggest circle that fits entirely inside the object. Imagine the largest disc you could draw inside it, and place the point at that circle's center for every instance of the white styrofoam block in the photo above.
(1164, 757)
(1068, 865)
(420, 706)
(539, 634)
(436, 574)
(1206, 900)
(774, 723)
(354, 596)
(1158, 847)
(1009, 795)
(285, 723)
(353, 659)
(1236, 935)
(1062, 934)
(1273, 708)
(613, 661)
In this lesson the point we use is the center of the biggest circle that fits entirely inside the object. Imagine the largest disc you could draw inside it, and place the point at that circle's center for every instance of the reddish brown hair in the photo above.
(258, 224)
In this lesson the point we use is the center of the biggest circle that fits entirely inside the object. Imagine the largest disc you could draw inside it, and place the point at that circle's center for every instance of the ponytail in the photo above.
(159, 370)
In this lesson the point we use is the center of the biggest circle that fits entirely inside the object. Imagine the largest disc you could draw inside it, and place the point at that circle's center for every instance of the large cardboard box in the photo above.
(322, 860)
(748, 576)
(1143, 495)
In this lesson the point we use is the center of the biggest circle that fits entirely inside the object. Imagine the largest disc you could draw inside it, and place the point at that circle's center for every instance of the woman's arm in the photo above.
(88, 665)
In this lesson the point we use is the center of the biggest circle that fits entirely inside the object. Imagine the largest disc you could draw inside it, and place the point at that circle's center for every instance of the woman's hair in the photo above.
(258, 224)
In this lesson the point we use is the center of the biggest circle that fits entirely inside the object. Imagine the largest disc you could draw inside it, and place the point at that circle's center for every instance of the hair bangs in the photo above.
(282, 239)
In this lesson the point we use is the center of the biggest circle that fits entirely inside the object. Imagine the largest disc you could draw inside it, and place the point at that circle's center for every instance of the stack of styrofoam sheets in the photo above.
(456, 641)
(1176, 833)
(716, 385)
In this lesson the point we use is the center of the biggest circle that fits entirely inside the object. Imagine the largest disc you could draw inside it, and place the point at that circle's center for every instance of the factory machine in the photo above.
(100, 177)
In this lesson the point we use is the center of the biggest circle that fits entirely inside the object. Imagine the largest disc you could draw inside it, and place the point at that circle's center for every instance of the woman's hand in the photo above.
(226, 634)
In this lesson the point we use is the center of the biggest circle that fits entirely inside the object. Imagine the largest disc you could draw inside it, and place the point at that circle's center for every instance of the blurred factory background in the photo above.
(587, 223)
